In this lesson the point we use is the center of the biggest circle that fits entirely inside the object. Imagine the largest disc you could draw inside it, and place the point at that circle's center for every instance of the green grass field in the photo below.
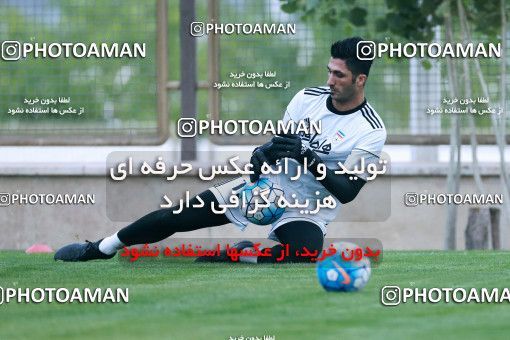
(184, 300)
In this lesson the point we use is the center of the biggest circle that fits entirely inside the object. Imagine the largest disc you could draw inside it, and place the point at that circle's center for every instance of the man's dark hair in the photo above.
(346, 50)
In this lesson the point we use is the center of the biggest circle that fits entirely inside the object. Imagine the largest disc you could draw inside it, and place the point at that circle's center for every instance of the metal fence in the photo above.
(69, 100)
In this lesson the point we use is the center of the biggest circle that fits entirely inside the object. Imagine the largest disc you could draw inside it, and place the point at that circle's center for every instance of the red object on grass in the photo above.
(39, 248)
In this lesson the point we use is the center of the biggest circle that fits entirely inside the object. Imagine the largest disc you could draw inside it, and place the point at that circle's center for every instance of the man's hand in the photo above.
(289, 146)
(340, 186)
(262, 154)
(282, 146)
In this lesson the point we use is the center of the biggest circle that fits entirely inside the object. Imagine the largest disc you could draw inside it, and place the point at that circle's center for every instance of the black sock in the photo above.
(160, 224)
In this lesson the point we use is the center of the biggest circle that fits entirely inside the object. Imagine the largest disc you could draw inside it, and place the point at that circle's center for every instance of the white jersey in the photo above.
(346, 137)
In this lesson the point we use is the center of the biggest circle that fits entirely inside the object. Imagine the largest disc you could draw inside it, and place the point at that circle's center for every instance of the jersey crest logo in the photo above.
(339, 136)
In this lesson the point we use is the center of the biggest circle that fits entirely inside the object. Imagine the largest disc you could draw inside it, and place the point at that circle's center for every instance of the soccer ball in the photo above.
(261, 192)
(340, 275)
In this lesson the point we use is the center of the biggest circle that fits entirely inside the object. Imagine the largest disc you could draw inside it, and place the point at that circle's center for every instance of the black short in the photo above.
(296, 234)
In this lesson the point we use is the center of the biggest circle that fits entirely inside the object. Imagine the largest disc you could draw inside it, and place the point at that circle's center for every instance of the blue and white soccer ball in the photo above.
(255, 193)
(339, 275)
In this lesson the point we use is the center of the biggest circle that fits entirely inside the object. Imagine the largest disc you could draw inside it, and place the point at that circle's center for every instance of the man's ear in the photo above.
(361, 79)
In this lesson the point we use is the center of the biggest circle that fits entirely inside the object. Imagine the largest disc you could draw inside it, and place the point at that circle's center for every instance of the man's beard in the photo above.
(342, 97)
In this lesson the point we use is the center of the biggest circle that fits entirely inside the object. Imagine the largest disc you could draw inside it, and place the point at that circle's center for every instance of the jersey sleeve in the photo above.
(368, 149)
(295, 108)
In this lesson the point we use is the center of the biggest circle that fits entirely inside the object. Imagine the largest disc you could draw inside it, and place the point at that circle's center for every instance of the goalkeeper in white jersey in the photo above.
(351, 131)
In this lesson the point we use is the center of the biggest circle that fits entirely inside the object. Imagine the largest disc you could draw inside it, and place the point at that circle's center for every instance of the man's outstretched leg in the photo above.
(153, 227)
